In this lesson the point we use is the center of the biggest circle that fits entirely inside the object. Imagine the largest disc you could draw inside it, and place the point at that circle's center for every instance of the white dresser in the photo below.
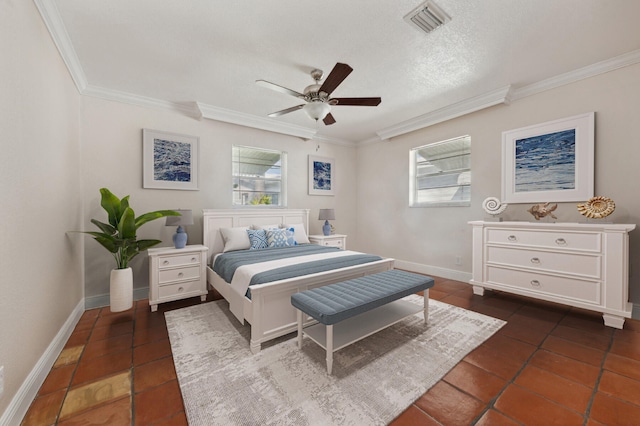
(177, 274)
(579, 264)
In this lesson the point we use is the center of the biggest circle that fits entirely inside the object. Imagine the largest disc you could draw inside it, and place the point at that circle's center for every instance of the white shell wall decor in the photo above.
(493, 206)
(597, 207)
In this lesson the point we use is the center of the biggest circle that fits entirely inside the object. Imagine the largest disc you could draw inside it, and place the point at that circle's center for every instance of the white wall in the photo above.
(435, 236)
(41, 280)
(112, 158)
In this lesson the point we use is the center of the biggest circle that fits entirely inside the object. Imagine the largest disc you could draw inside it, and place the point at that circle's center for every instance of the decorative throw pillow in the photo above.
(290, 232)
(300, 234)
(235, 239)
(277, 238)
(258, 239)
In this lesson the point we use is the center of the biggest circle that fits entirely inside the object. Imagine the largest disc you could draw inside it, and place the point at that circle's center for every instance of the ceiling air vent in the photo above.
(427, 17)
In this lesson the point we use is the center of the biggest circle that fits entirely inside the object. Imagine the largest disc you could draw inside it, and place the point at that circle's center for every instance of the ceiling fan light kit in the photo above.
(317, 96)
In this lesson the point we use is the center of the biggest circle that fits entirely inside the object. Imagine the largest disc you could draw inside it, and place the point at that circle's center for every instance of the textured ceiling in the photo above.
(212, 51)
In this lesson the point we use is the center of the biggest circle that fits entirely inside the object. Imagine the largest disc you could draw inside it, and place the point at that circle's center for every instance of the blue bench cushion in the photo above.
(336, 302)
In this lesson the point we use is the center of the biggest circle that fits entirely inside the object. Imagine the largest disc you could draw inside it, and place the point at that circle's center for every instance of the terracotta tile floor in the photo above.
(549, 365)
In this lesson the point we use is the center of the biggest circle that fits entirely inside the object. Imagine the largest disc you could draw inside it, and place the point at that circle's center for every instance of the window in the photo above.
(441, 173)
(259, 177)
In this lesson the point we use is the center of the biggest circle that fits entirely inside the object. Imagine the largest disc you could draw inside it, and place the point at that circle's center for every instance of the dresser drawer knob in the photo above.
(180, 274)
(561, 241)
(166, 262)
(194, 259)
(535, 260)
(512, 238)
(535, 283)
(180, 289)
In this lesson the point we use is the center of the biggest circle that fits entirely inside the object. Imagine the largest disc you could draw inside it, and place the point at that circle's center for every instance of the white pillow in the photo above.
(235, 238)
(266, 227)
(299, 233)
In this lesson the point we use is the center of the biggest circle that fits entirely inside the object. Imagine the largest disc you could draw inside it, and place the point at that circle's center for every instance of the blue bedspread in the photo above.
(226, 264)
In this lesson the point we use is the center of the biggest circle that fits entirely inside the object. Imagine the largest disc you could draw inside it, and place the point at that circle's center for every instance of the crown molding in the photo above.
(52, 19)
(592, 70)
(247, 120)
(188, 108)
(476, 103)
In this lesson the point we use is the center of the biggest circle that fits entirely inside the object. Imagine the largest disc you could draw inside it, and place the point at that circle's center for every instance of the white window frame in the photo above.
(464, 173)
(283, 178)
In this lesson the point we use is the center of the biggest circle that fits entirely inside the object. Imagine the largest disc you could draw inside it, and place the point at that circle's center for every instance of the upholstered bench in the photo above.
(361, 306)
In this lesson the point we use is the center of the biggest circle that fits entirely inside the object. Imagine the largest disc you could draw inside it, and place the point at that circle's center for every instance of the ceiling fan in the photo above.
(318, 106)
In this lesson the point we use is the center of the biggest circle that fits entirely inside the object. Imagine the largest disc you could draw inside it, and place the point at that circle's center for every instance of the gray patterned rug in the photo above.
(373, 380)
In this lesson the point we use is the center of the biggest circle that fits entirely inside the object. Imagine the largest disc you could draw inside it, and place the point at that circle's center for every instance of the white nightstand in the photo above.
(335, 240)
(177, 274)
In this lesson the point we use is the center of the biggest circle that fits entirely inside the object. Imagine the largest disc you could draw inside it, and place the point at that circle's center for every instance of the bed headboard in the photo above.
(216, 219)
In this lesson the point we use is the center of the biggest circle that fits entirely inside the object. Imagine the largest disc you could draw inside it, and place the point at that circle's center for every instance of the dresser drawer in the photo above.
(180, 289)
(567, 263)
(580, 241)
(178, 260)
(179, 274)
(582, 290)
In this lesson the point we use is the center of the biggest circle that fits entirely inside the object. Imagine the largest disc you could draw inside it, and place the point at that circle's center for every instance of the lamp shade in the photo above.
(327, 214)
(186, 218)
(317, 110)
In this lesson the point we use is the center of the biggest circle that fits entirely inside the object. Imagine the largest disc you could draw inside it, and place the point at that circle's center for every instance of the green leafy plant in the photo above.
(119, 235)
(263, 199)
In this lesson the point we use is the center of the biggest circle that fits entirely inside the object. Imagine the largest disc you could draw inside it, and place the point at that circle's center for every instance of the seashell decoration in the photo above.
(493, 206)
(540, 211)
(597, 207)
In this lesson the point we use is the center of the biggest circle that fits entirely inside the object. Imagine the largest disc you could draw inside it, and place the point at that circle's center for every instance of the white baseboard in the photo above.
(102, 300)
(22, 400)
(450, 274)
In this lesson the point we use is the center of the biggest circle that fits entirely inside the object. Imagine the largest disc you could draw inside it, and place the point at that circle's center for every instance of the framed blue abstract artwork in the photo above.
(552, 161)
(321, 176)
(170, 160)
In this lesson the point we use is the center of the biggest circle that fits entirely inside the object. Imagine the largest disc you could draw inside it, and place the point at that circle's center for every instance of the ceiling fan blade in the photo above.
(329, 120)
(278, 88)
(335, 77)
(286, 111)
(356, 101)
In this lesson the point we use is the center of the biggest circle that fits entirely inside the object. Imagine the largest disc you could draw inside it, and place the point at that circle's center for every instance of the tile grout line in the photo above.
(75, 369)
(597, 383)
(491, 404)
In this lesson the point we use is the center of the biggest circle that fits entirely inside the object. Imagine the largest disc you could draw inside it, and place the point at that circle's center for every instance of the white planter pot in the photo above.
(121, 290)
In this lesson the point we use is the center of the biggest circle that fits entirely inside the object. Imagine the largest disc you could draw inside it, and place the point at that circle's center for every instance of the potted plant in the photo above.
(119, 238)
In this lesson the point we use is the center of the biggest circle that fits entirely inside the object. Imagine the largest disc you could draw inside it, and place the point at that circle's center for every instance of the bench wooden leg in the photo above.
(329, 348)
(299, 313)
(426, 306)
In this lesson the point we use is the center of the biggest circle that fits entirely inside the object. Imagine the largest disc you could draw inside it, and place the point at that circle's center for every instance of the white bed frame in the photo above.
(269, 311)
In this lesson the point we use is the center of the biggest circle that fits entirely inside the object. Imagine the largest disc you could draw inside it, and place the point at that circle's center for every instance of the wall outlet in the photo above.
(458, 260)
(1, 380)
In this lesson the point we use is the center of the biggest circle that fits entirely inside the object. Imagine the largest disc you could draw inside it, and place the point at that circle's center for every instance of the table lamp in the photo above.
(326, 215)
(185, 218)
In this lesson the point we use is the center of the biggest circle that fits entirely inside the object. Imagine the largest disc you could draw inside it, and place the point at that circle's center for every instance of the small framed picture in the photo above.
(321, 175)
(170, 160)
(552, 161)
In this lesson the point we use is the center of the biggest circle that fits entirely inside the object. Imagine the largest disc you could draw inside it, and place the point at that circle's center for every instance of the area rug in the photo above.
(373, 380)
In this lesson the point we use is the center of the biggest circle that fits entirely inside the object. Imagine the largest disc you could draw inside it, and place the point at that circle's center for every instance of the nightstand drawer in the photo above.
(179, 260)
(331, 243)
(179, 289)
(179, 274)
